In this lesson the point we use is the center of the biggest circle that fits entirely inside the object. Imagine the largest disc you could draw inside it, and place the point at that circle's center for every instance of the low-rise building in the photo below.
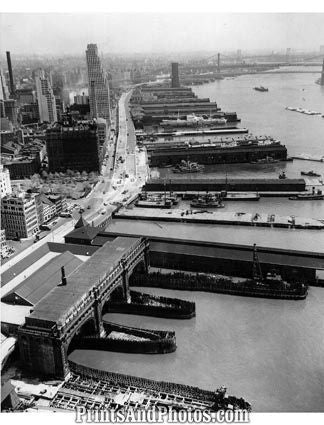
(22, 167)
(59, 201)
(46, 209)
(19, 216)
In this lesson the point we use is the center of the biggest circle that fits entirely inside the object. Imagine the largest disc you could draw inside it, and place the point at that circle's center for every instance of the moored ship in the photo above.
(207, 201)
(161, 203)
(144, 196)
(193, 120)
(188, 167)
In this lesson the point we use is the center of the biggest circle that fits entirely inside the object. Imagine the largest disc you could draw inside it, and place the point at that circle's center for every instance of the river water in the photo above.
(267, 351)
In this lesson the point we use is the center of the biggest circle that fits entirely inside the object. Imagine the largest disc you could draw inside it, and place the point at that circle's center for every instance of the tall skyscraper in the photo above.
(322, 76)
(99, 95)
(45, 97)
(4, 92)
(175, 75)
(11, 80)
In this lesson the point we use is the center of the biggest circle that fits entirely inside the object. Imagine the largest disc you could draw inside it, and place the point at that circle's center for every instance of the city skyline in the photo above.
(160, 32)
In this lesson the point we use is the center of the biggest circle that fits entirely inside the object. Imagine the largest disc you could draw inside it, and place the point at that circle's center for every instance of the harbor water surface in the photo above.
(268, 351)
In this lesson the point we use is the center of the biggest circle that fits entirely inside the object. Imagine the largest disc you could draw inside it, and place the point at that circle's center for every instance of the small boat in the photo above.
(282, 175)
(290, 108)
(310, 174)
(261, 88)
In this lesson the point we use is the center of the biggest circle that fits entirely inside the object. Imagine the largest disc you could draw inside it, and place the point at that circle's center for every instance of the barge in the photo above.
(151, 203)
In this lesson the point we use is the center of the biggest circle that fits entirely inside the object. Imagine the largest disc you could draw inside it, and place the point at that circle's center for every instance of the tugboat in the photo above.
(207, 201)
(310, 174)
(261, 88)
(188, 167)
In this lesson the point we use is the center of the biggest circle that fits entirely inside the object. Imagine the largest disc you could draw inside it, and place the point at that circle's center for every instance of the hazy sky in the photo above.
(70, 33)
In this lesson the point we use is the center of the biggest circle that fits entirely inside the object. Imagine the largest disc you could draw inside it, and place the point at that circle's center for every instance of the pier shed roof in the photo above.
(40, 283)
(56, 306)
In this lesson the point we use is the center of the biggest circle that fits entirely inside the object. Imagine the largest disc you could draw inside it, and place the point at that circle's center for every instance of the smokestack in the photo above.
(63, 280)
(175, 83)
(12, 86)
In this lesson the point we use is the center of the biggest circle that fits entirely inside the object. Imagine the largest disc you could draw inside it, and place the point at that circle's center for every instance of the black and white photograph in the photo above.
(162, 214)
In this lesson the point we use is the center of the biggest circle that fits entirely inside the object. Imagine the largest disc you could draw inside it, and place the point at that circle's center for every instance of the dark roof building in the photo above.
(40, 283)
(74, 146)
(83, 235)
(56, 306)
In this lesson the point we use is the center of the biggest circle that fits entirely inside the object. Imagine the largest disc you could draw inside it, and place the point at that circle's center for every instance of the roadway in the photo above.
(120, 180)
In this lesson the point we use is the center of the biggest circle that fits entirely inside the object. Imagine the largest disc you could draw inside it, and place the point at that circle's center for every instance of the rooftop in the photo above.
(40, 283)
(56, 306)
(282, 240)
(84, 233)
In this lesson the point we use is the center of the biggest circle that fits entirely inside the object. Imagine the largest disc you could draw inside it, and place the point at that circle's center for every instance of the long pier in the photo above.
(205, 216)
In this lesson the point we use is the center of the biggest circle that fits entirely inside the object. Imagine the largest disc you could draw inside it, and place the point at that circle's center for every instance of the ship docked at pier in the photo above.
(207, 201)
(188, 167)
(193, 120)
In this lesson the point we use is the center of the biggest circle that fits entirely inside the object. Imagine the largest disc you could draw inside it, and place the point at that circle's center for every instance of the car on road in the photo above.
(124, 192)
(103, 212)
(105, 203)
